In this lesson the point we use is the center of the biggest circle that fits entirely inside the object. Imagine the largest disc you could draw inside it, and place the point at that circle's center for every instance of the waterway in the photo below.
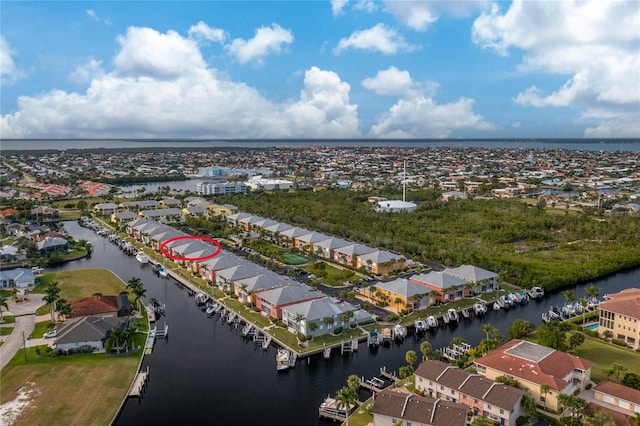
(206, 373)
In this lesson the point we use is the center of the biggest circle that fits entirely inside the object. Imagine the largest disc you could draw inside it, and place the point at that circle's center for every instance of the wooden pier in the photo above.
(139, 384)
(327, 353)
(389, 376)
(349, 346)
(329, 410)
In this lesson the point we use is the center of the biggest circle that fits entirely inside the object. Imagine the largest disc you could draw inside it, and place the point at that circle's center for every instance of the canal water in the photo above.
(206, 373)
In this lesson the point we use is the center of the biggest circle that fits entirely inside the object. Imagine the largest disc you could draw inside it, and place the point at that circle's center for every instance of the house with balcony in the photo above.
(394, 406)
(105, 209)
(136, 206)
(234, 219)
(272, 233)
(307, 242)
(51, 245)
(208, 268)
(246, 288)
(289, 237)
(619, 315)
(483, 396)
(485, 281)
(534, 365)
(348, 255)
(298, 316)
(226, 279)
(271, 302)
(381, 262)
(449, 287)
(409, 294)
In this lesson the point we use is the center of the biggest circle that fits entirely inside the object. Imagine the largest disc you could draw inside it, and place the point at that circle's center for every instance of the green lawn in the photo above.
(5, 331)
(8, 319)
(82, 283)
(603, 354)
(41, 328)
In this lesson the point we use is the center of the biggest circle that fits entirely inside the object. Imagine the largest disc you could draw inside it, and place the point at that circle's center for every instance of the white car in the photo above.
(51, 333)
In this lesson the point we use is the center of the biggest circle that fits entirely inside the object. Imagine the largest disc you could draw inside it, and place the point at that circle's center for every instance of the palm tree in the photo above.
(312, 326)
(117, 338)
(346, 398)
(328, 321)
(346, 318)
(457, 341)
(584, 302)
(298, 319)
(52, 292)
(434, 294)
(134, 282)
(592, 291)
(397, 301)
(569, 295)
(411, 357)
(138, 290)
(425, 348)
(353, 382)
(3, 304)
(618, 370)
(544, 390)
(487, 328)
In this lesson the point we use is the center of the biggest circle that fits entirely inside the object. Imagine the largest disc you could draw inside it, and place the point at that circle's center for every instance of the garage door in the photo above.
(624, 404)
(608, 399)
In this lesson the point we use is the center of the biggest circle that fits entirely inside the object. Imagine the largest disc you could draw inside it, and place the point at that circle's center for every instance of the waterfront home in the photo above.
(327, 247)
(272, 232)
(397, 406)
(199, 210)
(52, 245)
(187, 251)
(483, 396)
(11, 253)
(409, 294)
(245, 288)
(169, 202)
(534, 365)
(617, 395)
(156, 237)
(620, 316)
(288, 237)
(271, 302)
(224, 210)
(105, 209)
(20, 278)
(381, 262)
(348, 255)
(208, 268)
(485, 281)
(234, 219)
(136, 227)
(298, 316)
(120, 218)
(88, 331)
(102, 306)
(226, 279)
(262, 223)
(136, 206)
(162, 215)
(194, 201)
(449, 287)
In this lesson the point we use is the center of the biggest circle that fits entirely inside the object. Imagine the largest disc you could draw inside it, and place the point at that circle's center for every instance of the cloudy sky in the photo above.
(320, 69)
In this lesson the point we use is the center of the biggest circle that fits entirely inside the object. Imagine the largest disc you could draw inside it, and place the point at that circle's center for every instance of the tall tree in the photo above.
(487, 328)
(425, 348)
(328, 321)
(575, 340)
(411, 357)
(544, 390)
(51, 295)
(3, 304)
(569, 295)
(346, 399)
(592, 291)
(618, 370)
(346, 319)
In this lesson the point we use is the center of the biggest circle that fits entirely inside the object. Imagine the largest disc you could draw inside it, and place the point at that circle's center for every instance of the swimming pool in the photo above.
(592, 327)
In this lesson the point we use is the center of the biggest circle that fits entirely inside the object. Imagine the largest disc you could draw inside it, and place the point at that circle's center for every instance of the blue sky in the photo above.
(320, 69)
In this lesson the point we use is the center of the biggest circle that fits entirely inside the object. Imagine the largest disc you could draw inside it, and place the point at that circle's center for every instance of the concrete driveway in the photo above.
(25, 313)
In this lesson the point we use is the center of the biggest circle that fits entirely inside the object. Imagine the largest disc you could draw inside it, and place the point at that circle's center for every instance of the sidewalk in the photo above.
(24, 325)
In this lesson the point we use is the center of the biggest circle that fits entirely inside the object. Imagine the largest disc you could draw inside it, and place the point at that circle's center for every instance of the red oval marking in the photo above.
(190, 259)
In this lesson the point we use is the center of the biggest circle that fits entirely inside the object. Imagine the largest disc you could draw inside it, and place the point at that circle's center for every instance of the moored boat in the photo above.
(452, 314)
(421, 326)
(201, 298)
(479, 309)
(142, 257)
(399, 332)
(386, 336)
(536, 292)
(282, 359)
(432, 321)
(373, 339)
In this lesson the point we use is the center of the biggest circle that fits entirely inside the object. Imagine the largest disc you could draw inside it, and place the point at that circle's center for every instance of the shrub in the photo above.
(590, 333)
(392, 317)
(619, 342)
(337, 330)
(589, 386)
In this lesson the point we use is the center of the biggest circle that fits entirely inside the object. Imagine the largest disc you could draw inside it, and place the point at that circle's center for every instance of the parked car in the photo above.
(50, 333)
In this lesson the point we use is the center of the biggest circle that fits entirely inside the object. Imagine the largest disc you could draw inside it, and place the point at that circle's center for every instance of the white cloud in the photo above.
(594, 42)
(86, 72)
(267, 41)
(416, 114)
(337, 6)
(203, 33)
(161, 87)
(378, 38)
(94, 16)
(366, 5)
(9, 73)
(419, 15)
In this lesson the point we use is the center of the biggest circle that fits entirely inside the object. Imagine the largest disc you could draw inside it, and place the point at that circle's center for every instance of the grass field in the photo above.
(82, 283)
(603, 354)
(75, 389)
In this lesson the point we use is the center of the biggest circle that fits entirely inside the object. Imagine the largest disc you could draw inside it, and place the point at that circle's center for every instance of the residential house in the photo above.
(20, 278)
(199, 210)
(136, 206)
(52, 245)
(273, 232)
(223, 210)
(449, 287)
(103, 306)
(381, 262)
(226, 279)
(105, 209)
(348, 255)
(485, 281)
(120, 218)
(194, 201)
(408, 294)
(620, 316)
(162, 215)
(534, 365)
(483, 396)
(270, 302)
(209, 268)
(288, 237)
(87, 331)
(167, 203)
(393, 406)
(298, 316)
(308, 242)
(327, 247)
(234, 219)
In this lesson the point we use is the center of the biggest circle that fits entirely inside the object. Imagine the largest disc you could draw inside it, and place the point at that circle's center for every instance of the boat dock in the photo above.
(329, 410)
(153, 334)
(389, 376)
(139, 384)
(375, 384)
(327, 352)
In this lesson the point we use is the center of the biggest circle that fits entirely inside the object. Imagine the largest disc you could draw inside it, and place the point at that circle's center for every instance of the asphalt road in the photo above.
(25, 313)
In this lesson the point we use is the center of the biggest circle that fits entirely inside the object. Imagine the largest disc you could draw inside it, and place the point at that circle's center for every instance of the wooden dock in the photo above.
(327, 353)
(139, 384)
(329, 410)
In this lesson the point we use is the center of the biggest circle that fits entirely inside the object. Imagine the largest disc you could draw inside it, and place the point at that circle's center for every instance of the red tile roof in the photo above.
(619, 391)
(550, 370)
(94, 305)
(626, 302)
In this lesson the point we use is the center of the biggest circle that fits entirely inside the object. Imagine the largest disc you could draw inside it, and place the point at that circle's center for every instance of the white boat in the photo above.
(373, 340)
(432, 321)
(386, 336)
(399, 332)
(536, 292)
(201, 298)
(479, 309)
(421, 326)
(282, 359)
(211, 308)
(141, 257)
(452, 314)
(496, 306)
(163, 272)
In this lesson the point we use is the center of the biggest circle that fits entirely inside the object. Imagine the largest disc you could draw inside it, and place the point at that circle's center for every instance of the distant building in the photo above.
(259, 183)
(395, 206)
(20, 278)
(211, 188)
(51, 245)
